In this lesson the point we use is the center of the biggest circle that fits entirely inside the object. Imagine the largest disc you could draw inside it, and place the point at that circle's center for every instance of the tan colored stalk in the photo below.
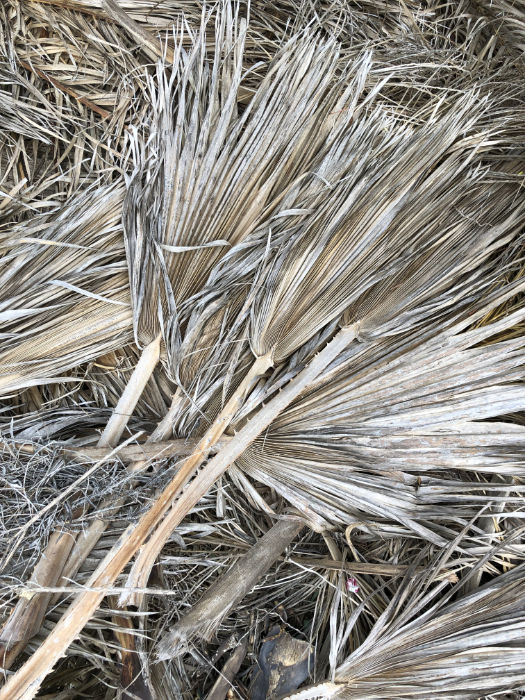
(65, 88)
(222, 595)
(28, 614)
(153, 46)
(87, 541)
(131, 394)
(223, 684)
(358, 567)
(194, 461)
(141, 452)
(25, 683)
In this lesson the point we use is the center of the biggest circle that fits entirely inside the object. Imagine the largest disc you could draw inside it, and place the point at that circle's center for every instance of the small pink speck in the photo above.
(351, 585)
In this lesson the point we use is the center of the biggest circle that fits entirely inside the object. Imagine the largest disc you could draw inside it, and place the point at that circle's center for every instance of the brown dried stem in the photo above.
(204, 618)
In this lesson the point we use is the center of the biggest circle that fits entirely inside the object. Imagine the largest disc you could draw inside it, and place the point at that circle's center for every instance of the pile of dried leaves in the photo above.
(262, 349)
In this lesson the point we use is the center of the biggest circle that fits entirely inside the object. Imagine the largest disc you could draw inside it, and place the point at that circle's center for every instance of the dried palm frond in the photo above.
(327, 454)
(308, 166)
(424, 644)
(349, 261)
(58, 270)
(236, 167)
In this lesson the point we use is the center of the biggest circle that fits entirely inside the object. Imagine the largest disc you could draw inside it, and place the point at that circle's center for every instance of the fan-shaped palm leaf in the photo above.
(349, 259)
(423, 646)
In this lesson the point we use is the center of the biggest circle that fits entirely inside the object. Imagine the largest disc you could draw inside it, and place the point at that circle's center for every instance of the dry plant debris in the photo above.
(262, 349)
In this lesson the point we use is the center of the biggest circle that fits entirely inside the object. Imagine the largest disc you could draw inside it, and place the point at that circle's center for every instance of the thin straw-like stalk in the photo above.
(132, 393)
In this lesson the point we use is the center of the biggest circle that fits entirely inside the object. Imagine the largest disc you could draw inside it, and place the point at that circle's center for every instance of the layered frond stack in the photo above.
(262, 349)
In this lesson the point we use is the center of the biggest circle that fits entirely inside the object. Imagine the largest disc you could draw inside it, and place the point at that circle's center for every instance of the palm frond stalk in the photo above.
(206, 615)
